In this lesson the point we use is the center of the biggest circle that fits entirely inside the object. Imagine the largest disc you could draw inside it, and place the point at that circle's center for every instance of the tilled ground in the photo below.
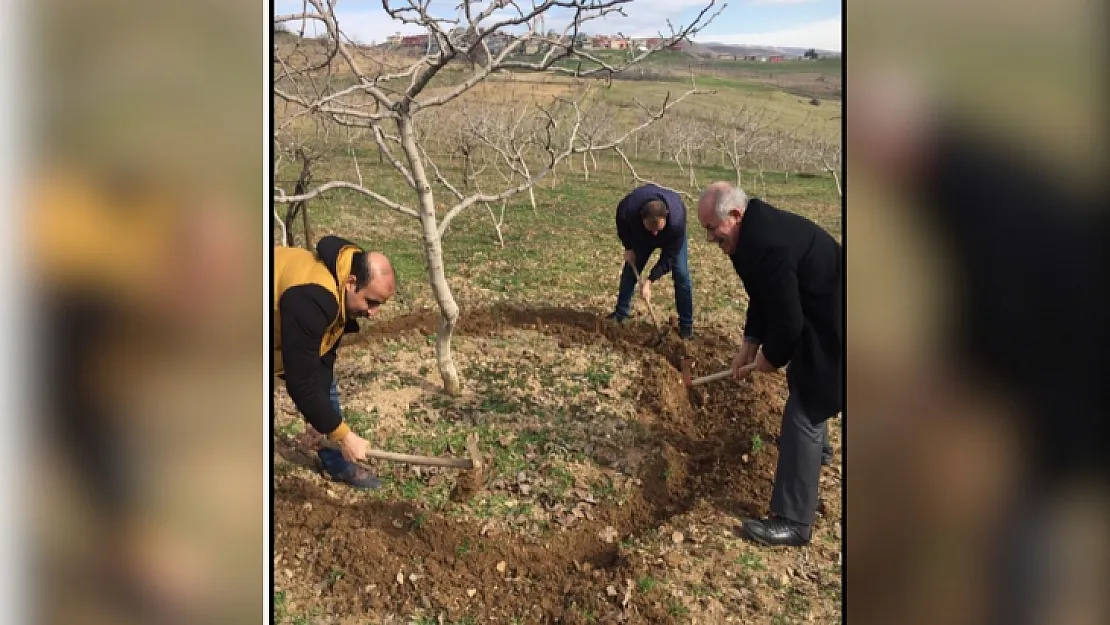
(611, 495)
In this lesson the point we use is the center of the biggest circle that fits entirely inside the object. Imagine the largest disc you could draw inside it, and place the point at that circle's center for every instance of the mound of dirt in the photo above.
(388, 558)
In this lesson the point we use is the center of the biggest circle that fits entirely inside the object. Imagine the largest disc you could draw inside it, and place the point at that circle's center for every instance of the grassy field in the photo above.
(576, 212)
(556, 417)
(609, 495)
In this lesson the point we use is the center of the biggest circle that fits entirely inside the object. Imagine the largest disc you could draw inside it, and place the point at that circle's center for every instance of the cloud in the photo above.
(822, 34)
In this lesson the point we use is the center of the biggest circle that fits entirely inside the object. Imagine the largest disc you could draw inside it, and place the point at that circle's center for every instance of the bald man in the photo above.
(317, 299)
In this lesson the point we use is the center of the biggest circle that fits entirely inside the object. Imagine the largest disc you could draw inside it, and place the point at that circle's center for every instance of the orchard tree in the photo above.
(346, 85)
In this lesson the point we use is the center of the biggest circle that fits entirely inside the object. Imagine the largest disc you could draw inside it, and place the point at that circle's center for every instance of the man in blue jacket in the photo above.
(650, 218)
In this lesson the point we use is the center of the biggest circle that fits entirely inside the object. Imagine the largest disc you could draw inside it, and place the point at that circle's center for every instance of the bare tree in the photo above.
(826, 156)
(742, 134)
(390, 101)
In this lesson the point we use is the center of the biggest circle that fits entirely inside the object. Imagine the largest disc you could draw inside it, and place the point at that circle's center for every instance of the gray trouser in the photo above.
(798, 474)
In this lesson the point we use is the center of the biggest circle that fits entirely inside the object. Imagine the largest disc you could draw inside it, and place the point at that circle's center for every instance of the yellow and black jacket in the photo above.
(309, 319)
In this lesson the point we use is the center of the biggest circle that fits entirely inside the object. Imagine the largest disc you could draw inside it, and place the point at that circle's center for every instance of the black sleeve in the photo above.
(782, 305)
(754, 327)
(306, 312)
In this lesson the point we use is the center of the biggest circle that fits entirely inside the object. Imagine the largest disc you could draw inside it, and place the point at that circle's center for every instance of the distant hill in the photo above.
(745, 50)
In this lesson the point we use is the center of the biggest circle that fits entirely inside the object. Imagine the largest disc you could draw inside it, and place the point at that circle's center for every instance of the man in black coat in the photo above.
(792, 271)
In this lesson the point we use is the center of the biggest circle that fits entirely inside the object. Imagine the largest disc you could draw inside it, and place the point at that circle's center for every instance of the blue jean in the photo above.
(683, 287)
(332, 459)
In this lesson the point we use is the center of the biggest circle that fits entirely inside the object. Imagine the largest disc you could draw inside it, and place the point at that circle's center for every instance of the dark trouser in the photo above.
(80, 420)
(332, 459)
(683, 287)
(798, 474)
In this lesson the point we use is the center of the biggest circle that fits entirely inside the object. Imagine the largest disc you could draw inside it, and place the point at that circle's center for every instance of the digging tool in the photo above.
(663, 331)
(474, 462)
(690, 382)
(651, 309)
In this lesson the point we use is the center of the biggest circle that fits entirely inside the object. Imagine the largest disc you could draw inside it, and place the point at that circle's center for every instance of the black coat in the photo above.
(793, 272)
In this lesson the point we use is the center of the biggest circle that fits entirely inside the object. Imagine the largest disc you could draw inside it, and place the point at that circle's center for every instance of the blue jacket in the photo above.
(630, 227)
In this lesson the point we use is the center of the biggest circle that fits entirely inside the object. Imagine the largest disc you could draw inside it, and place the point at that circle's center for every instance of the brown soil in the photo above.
(697, 457)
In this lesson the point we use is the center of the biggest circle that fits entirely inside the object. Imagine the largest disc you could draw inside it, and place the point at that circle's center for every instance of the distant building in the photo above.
(618, 44)
(601, 41)
(420, 43)
(777, 58)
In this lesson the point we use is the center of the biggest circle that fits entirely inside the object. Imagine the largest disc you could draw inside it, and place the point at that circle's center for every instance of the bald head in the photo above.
(372, 283)
(720, 209)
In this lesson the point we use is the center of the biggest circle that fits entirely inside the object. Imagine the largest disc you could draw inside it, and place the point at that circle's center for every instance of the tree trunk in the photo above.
(303, 181)
(531, 192)
(307, 228)
(290, 216)
(284, 232)
(690, 164)
(466, 169)
(433, 253)
(836, 179)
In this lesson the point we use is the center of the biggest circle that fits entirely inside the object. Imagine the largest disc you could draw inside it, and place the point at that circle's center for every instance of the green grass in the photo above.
(279, 606)
(580, 215)
(565, 254)
(751, 562)
(463, 548)
(292, 427)
(757, 444)
(334, 575)
(676, 609)
(828, 67)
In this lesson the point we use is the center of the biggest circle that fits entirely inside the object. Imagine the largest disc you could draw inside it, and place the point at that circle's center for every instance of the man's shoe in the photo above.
(615, 316)
(777, 532)
(686, 332)
(340, 470)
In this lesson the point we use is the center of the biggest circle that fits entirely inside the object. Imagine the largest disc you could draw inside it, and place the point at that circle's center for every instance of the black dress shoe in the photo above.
(777, 532)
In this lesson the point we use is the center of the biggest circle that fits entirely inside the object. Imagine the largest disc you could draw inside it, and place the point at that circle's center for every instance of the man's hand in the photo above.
(354, 447)
(746, 355)
(762, 364)
(742, 363)
(645, 290)
(630, 258)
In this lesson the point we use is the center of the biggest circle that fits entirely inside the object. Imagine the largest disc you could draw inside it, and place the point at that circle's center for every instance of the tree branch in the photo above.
(339, 184)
